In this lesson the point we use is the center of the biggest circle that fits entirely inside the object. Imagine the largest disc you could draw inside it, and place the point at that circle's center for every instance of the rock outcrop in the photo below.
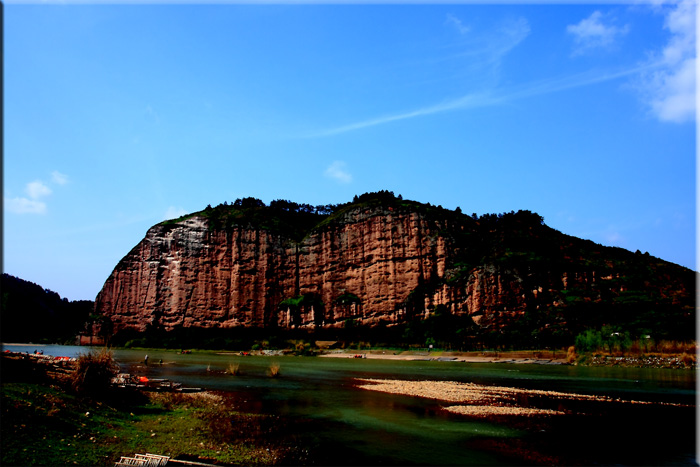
(373, 262)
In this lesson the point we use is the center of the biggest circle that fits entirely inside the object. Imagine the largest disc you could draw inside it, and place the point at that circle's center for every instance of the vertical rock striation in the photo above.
(372, 263)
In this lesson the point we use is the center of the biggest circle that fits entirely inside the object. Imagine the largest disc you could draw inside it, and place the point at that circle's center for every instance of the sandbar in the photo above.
(483, 400)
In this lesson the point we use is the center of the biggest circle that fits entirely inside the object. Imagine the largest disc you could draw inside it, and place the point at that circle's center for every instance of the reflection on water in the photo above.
(366, 427)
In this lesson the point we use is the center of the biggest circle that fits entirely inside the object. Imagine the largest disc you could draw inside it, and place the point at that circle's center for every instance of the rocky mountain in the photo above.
(382, 261)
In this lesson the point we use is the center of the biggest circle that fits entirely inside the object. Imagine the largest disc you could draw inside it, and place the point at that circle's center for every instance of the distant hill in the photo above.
(388, 269)
(31, 313)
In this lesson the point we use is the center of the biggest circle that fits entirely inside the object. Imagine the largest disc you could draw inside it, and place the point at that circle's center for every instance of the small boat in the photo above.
(126, 380)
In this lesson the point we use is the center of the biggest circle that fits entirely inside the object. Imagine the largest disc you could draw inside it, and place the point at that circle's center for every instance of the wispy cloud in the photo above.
(486, 50)
(484, 54)
(510, 34)
(338, 171)
(488, 99)
(592, 33)
(457, 24)
(578, 80)
(464, 102)
(669, 79)
(670, 91)
(174, 212)
(59, 178)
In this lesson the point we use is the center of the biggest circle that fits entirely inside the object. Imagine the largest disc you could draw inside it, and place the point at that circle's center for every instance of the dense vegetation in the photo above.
(30, 313)
(293, 220)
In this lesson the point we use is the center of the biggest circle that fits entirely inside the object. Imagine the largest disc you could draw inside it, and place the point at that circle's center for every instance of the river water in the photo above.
(351, 426)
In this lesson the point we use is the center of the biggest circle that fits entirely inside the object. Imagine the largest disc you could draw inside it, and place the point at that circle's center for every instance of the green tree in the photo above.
(588, 341)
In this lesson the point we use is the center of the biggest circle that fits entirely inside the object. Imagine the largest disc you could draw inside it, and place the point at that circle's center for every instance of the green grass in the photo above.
(43, 425)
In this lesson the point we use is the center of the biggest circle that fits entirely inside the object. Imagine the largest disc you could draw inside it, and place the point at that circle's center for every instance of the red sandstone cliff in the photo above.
(370, 263)
(187, 274)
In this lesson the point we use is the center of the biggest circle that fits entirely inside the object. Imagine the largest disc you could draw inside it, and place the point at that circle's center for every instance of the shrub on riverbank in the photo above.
(613, 341)
(94, 372)
(683, 361)
(612, 346)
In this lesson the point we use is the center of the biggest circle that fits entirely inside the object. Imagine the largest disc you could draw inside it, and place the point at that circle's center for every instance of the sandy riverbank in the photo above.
(453, 357)
(559, 357)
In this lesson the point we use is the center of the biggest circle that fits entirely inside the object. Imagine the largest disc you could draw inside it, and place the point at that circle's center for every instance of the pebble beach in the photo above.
(484, 401)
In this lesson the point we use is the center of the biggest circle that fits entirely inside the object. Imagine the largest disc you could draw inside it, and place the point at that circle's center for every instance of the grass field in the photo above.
(46, 423)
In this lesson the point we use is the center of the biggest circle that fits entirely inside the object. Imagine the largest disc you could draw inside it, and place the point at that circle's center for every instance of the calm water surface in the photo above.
(355, 426)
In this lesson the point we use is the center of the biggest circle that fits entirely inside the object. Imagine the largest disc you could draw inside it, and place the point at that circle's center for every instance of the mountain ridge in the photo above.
(294, 266)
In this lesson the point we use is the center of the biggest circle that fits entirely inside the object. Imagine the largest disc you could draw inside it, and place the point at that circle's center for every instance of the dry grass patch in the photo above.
(274, 370)
(234, 369)
(93, 372)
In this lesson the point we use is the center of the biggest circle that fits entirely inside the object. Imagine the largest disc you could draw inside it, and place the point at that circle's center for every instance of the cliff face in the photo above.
(187, 274)
(373, 264)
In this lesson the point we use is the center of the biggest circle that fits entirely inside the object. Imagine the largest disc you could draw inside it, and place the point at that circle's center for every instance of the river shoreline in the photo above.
(677, 360)
(654, 360)
(451, 357)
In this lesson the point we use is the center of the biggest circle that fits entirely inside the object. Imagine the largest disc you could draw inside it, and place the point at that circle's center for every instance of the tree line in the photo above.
(31, 313)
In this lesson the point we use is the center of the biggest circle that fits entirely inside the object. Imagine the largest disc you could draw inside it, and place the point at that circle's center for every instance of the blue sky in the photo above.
(119, 116)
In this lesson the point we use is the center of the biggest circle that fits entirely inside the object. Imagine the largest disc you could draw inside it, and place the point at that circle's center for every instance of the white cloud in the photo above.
(338, 171)
(24, 206)
(37, 189)
(674, 99)
(59, 178)
(457, 23)
(174, 212)
(670, 91)
(591, 33)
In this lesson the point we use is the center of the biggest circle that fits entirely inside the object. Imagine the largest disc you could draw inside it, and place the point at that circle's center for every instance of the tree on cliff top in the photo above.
(381, 195)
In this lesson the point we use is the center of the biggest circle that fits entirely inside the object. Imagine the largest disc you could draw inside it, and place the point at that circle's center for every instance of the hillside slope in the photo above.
(30, 313)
